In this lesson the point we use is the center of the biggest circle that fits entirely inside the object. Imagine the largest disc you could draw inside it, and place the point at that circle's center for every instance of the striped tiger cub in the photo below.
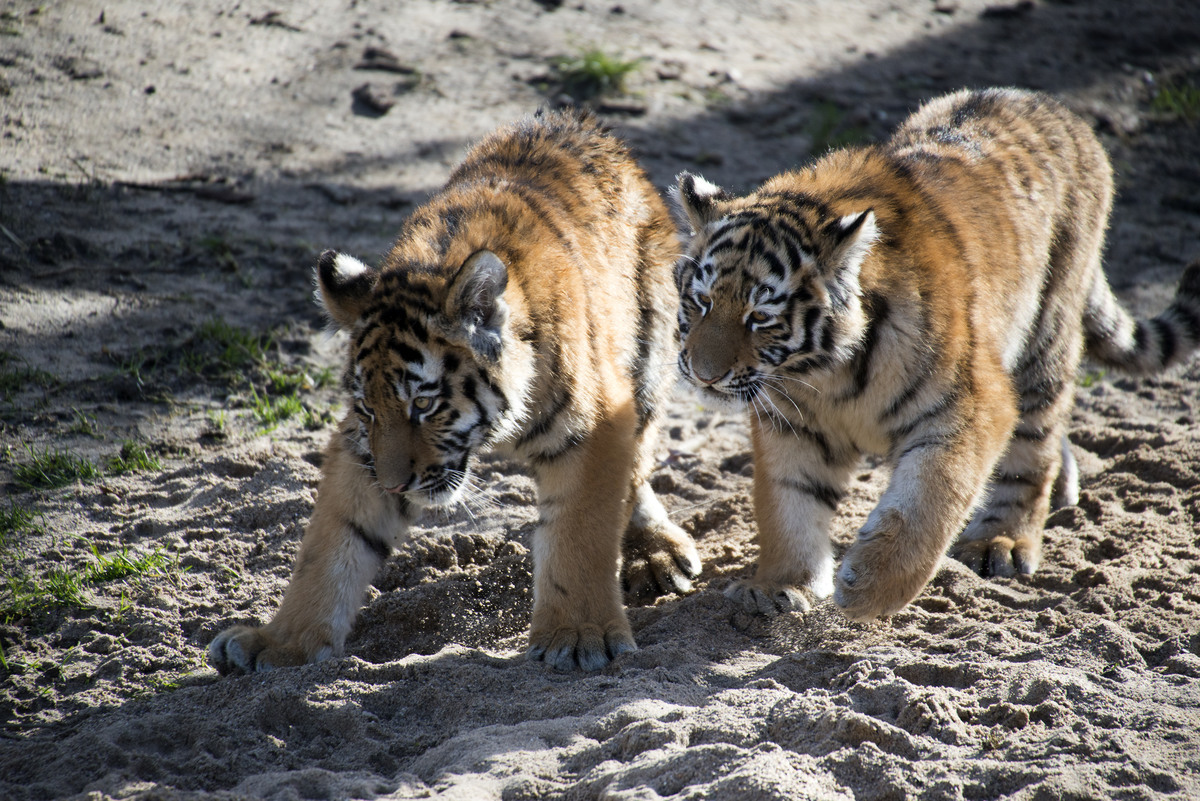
(526, 308)
(929, 300)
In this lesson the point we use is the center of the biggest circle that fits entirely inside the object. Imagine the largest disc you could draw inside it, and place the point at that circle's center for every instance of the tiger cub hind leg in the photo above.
(659, 557)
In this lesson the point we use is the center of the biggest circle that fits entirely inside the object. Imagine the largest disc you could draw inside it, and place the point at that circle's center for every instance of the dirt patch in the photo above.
(167, 178)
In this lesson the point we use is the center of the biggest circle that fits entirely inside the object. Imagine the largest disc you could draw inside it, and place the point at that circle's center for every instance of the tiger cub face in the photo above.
(768, 290)
(423, 351)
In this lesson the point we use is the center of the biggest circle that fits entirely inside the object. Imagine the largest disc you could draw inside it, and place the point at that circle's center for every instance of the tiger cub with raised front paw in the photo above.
(527, 308)
(927, 299)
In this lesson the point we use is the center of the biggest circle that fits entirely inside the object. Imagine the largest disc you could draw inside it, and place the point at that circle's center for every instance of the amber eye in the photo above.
(704, 299)
(422, 403)
(759, 317)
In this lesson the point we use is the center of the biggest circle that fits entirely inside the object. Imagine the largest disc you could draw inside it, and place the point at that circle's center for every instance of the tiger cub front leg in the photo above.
(933, 489)
(353, 526)
(578, 619)
(797, 487)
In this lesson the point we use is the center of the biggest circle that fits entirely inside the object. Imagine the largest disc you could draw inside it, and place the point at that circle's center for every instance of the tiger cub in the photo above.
(526, 308)
(927, 299)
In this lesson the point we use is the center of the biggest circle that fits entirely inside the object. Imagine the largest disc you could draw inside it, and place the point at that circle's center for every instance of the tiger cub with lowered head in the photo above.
(527, 308)
(928, 299)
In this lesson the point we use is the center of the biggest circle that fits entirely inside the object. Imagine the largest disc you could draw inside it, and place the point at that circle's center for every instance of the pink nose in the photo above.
(700, 374)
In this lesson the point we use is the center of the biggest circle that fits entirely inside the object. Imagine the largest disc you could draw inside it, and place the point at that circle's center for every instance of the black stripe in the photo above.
(797, 236)
(943, 225)
(924, 442)
(569, 444)
(380, 548)
(1014, 480)
(1166, 337)
(406, 352)
(944, 404)
(1189, 319)
(907, 394)
(823, 493)
(725, 242)
(773, 263)
(810, 334)
(827, 335)
(877, 311)
(1140, 332)
(819, 440)
(1034, 435)
(646, 337)
(1042, 396)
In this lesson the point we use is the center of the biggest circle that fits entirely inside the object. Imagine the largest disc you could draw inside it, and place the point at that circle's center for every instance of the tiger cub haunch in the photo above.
(927, 299)
(526, 308)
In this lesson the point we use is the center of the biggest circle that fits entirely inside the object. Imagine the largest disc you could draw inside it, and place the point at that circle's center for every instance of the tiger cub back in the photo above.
(526, 308)
(927, 299)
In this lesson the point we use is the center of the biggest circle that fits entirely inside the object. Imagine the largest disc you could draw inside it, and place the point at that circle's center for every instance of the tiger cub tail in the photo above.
(1115, 339)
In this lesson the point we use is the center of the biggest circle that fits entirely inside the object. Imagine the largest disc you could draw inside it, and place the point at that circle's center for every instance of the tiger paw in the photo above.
(245, 649)
(587, 647)
(659, 560)
(872, 582)
(769, 599)
(1000, 555)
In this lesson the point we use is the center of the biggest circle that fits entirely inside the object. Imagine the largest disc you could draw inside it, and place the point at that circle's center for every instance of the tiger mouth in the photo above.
(741, 395)
(440, 491)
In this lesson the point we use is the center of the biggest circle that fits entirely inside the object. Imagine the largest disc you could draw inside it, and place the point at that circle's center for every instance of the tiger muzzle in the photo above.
(712, 353)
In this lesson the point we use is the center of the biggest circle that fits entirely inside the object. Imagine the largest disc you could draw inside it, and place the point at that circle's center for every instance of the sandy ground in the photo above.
(165, 166)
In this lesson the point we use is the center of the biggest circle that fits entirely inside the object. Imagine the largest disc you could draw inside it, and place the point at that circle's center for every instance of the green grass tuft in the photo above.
(1180, 100)
(14, 520)
(830, 130)
(230, 348)
(16, 375)
(84, 423)
(271, 411)
(592, 72)
(25, 596)
(133, 458)
(51, 468)
(120, 565)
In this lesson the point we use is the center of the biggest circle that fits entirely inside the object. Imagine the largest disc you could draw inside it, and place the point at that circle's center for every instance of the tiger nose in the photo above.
(400, 488)
(705, 373)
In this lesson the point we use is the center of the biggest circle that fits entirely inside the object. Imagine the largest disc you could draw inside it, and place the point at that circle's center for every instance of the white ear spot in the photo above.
(865, 221)
(704, 188)
(348, 266)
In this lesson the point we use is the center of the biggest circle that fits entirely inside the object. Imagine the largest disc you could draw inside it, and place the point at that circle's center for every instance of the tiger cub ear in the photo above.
(475, 303)
(697, 199)
(852, 237)
(344, 286)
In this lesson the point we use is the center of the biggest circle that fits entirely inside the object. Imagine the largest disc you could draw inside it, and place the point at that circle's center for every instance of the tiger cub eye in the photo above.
(422, 403)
